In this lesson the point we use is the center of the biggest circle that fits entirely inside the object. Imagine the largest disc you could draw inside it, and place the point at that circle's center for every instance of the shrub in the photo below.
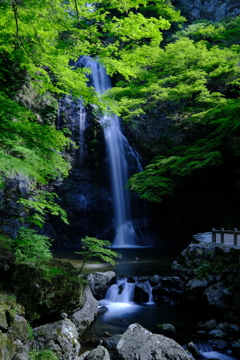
(30, 247)
(42, 355)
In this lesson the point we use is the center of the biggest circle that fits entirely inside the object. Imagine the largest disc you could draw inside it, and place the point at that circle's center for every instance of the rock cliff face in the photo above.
(86, 194)
(212, 10)
(11, 191)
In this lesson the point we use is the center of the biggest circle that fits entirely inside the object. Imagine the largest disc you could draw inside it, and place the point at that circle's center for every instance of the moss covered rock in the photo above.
(48, 290)
(7, 347)
(60, 337)
(12, 319)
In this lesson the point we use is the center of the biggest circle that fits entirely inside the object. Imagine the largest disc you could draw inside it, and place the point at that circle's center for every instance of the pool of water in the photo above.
(120, 315)
(150, 261)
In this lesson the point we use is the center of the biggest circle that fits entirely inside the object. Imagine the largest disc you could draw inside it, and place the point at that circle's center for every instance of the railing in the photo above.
(222, 232)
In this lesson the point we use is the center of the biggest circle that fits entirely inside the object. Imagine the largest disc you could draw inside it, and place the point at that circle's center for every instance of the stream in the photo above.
(122, 311)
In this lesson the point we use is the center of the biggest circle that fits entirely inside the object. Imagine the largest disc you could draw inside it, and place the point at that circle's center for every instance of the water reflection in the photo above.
(150, 261)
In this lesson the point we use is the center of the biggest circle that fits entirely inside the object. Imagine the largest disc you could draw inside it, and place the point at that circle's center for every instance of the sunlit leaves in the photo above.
(40, 203)
(200, 83)
(29, 147)
(94, 248)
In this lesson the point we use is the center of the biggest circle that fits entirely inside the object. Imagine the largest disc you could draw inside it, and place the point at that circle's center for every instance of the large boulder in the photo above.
(111, 342)
(218, 297)
(85, 316)
(7, 347)
(61, 337)
(210, 272)
(100, 282)
(47, 291)
(139, 343)
(100, 353)
(14, 328)
(142, 291)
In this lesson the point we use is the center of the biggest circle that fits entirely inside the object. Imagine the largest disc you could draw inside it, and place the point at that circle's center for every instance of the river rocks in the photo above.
(12, 321)
(7, 347)
(111, 342)
(236, 346)
(210, 272)
(166, 329)
(61, 337)
(142, 291)
(100, 353)
(217, 333)
(217, 297)
(209, 325)
(139, 343)
(169, 290)
(100, 282)
(155, 280)
(191, 347)
(85, 316)
(14, 329)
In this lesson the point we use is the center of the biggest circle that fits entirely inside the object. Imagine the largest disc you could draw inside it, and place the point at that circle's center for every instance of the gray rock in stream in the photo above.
(139, 343)
(61, 337)
(142, 291)
(85, 316)
(100, 282)
(100, 353)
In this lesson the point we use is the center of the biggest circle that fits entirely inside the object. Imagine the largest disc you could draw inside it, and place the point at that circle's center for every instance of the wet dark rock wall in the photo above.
(213, 10)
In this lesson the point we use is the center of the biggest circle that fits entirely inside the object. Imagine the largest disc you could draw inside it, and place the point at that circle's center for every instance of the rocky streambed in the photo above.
(51, 311)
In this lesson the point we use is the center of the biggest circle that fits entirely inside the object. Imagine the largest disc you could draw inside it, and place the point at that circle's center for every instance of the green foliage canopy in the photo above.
(31, 247)
(37, 41)
(196, 85)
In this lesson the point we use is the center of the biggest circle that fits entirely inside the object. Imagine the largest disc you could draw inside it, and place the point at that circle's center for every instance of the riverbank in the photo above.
(63, 317)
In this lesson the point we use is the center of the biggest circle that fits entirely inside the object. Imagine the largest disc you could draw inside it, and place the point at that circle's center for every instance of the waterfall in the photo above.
(121, 292)
(117, 148)
(125, 292)
(82, 118)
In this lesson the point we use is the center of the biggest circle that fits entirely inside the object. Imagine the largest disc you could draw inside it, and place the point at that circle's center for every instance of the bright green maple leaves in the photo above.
(38, 38)
(199, 81)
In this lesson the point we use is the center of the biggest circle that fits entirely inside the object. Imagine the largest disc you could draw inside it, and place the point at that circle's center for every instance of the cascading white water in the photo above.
(117, 145)
(121, 292)
(82, 118)
(119, 299)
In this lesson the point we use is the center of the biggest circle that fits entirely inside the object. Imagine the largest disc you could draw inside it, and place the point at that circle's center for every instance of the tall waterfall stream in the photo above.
(117, 148)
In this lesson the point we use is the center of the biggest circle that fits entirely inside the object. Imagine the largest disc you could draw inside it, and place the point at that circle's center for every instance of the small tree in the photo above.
(92, 247)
